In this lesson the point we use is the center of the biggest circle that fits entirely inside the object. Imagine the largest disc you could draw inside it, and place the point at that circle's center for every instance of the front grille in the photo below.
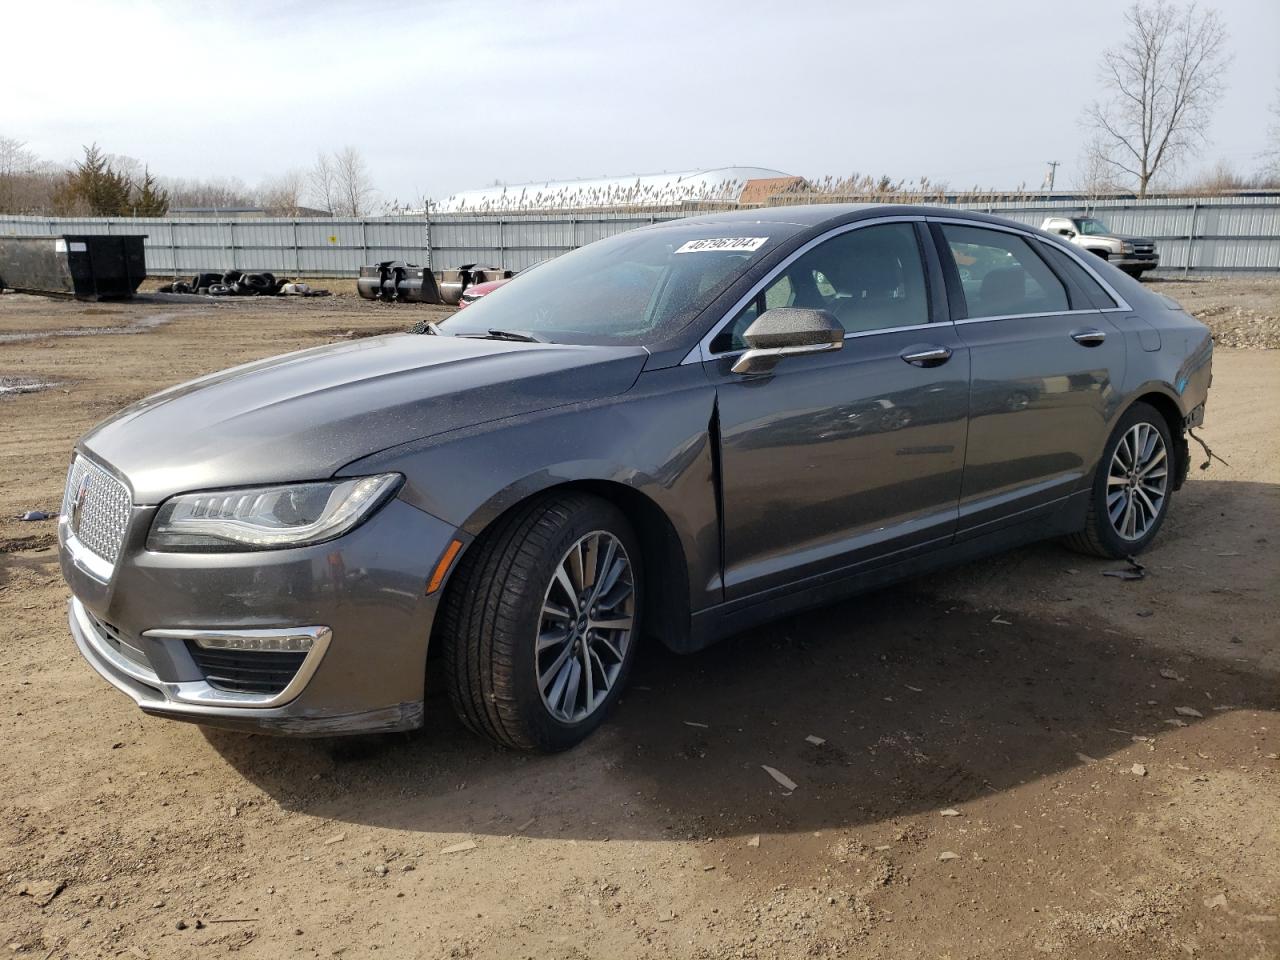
(247, 671)
(1144, 249)
(96, 506)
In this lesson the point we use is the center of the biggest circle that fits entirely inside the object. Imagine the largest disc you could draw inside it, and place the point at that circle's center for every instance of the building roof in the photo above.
(637, 190)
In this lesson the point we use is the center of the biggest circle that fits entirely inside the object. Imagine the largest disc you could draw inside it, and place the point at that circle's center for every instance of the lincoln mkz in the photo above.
(668, 435)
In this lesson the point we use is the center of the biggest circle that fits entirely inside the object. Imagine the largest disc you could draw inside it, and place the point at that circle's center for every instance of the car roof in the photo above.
(800, 215)
(829, 214)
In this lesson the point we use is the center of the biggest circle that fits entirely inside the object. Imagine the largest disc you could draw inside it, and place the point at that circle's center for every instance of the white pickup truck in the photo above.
(1133, 255)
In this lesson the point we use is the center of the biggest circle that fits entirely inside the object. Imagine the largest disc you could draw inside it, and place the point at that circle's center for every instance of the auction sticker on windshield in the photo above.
(735, 244)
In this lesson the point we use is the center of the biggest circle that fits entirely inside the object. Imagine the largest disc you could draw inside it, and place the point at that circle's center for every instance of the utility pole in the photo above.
(1053, 171)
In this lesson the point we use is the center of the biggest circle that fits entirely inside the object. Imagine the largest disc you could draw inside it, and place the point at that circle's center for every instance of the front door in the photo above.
(850, 458)
(1045, 372)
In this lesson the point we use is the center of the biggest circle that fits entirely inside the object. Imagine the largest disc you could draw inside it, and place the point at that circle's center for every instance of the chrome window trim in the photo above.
(701, 351)
(1023, 316)
(1026, 234)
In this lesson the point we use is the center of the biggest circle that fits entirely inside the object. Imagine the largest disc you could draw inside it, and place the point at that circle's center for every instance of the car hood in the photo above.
(302, 416)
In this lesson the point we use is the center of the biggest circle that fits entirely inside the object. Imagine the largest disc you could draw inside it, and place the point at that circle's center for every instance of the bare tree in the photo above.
(1165, 83)
(1218, 179)
(1271, 154)
(322, 183)
(354, 188)
(1097, 177)
(131, 168)
(15, 158)
(18, 169)
(282, 196)
(215, 194)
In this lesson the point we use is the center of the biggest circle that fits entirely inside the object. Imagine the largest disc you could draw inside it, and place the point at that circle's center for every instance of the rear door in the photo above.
(1046, 368)
(848, 458)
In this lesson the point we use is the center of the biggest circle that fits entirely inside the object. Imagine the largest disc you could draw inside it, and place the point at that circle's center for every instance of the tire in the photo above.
(1104, 537)
(493, 620)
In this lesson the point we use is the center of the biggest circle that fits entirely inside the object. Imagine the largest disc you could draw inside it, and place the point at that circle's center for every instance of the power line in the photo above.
(1053, 172)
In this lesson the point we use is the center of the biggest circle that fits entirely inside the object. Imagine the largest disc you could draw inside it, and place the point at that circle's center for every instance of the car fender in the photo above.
(653, 440)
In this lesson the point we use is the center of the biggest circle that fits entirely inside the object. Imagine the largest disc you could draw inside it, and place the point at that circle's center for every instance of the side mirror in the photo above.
(788, 332)
(1067, 232)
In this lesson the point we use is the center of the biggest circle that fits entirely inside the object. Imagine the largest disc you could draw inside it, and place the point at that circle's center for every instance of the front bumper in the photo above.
(200, 702)
(366, 666)
(1144, 263)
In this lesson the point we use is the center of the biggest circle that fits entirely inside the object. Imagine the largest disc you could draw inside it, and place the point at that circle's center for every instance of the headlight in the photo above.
(265, 518)
(1126, 248)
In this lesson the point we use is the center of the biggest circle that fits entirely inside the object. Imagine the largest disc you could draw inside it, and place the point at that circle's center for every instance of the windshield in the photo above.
(1091, 227)
(636, 288)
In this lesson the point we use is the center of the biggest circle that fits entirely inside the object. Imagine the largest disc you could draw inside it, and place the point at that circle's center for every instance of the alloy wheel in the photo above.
(585, 627)
(1137, 481)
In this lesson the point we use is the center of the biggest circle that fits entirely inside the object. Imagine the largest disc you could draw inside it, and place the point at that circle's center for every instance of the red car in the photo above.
(476, 291)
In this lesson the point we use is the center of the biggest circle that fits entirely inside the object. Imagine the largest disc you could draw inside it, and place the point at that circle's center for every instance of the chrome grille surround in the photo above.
(96, 507)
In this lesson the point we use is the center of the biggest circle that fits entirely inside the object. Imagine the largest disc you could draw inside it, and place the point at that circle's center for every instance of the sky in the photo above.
(443, 96)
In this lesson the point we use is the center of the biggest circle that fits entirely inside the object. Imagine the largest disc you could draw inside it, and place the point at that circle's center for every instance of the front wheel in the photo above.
(1131, 488)
(541, 622)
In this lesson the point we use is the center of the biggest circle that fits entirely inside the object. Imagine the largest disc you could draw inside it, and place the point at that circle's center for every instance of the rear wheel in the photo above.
(1132, 487)
(541, 622)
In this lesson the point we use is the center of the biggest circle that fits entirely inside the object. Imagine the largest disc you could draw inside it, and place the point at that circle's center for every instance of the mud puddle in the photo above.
(140, 325)
(11, 386)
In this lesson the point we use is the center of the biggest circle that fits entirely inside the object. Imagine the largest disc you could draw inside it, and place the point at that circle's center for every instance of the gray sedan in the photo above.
(668, 435)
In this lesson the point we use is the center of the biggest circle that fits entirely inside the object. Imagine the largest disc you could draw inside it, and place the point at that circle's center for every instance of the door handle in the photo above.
(1088, 338)
(928, 356)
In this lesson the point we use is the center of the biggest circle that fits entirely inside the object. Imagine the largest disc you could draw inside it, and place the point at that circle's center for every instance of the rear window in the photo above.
(636, 288)
(1066, 265)
(1001, 275)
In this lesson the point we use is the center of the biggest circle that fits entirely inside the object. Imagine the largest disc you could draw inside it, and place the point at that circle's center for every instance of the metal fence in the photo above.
(1195, 235)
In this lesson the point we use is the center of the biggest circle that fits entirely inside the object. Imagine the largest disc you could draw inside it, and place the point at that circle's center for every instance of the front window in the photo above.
(1092, 227)
(636, 288)
(870, 279)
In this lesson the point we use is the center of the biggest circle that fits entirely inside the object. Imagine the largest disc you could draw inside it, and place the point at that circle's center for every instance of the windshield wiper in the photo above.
(520, 336)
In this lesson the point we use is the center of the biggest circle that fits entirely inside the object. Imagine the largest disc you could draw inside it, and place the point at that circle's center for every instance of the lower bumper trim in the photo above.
(399, 717)
(152, 695)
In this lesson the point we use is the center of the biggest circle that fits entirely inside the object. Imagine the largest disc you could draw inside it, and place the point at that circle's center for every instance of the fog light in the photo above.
(282, 643)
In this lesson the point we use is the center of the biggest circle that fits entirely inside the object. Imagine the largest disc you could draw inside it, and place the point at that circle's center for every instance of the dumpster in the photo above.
(84, 267)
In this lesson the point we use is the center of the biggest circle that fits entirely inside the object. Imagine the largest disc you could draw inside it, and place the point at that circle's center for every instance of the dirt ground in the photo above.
(1020, 757)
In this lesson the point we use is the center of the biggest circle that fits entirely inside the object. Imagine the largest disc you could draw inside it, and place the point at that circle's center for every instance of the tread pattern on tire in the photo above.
(480, 616)
(1086, 541)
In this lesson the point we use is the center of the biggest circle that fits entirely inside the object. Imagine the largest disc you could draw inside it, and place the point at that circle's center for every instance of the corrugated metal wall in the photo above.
(1208, 235)
(303, 247)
